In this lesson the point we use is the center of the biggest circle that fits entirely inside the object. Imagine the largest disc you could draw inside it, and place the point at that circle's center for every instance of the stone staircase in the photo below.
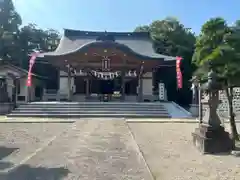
(91, 109)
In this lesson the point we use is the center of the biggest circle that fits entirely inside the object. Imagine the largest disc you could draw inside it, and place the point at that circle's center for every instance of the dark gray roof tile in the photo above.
(139, 43)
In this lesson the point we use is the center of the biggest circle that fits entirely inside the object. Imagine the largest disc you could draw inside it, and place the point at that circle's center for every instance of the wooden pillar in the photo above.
(140, 84)
(15, 83)
(123, 85)
(87, 88)
(140, 89)
(69, 85)
(27, 98)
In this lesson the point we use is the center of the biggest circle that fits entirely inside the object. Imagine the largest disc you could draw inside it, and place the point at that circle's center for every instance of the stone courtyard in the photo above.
(108, 149)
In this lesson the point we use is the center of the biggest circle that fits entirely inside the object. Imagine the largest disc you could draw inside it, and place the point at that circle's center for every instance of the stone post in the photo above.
(200, 105)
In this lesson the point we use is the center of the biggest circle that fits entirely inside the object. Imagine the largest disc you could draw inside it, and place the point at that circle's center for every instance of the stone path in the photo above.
(91, 150)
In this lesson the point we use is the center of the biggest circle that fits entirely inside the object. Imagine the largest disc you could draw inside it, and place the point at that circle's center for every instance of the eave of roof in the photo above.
(21, 70)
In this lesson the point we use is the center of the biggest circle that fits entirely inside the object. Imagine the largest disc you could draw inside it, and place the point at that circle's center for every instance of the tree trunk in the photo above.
(229, 93)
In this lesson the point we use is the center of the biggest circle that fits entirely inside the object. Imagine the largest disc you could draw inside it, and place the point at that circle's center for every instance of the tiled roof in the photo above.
(137, 42)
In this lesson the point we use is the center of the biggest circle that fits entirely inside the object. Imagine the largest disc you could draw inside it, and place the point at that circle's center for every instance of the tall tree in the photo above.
(33, 39)
(170, 37)
(9, 31)
(220, 44)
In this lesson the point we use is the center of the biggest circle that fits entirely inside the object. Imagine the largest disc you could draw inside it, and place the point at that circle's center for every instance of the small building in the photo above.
(16, 80)
(117, 66)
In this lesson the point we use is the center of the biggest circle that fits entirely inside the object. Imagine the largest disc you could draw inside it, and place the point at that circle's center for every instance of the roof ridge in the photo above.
(72, 32)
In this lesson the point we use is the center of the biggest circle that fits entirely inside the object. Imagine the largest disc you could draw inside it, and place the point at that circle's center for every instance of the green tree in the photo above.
(220, 44)
(170, 37)
(33, 39)
(9, 31)
(144, 28)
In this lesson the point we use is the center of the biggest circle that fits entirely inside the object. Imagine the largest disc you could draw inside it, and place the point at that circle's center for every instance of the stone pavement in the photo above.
(88, 149)
(171, 155)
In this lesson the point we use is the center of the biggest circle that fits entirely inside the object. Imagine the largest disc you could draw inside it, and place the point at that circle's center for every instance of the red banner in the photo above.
(179, 73)
(31, 63)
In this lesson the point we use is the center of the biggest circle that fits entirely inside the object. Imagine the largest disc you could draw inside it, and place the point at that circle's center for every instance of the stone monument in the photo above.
(210, 137)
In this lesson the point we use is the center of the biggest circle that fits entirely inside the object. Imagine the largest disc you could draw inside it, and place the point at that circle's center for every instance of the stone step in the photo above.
(62, 107)
(89, 108)
(91, 115)
(72, 103)
(92, 105)
(103, 111)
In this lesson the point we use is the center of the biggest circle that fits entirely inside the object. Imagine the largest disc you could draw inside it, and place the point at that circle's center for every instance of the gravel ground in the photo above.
(95, 149)
(170, 154)
(104, 149)
(18, 141)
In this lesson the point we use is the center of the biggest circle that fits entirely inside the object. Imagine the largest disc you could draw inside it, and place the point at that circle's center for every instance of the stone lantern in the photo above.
(210, 136)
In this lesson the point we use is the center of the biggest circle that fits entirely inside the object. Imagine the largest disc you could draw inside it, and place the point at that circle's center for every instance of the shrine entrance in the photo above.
(106, 87)
(98, 87)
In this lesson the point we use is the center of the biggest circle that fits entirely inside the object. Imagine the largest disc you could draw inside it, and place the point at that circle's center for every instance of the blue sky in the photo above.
(122, 15)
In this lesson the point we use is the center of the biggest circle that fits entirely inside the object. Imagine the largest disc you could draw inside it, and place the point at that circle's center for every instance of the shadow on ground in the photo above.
(4, 152)
(26, 172)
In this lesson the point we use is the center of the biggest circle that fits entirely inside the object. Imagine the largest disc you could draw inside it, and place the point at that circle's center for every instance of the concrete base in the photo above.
(211, 140)
(6, 108)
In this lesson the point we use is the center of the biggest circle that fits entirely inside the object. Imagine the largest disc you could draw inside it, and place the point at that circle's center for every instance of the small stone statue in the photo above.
(3, 90)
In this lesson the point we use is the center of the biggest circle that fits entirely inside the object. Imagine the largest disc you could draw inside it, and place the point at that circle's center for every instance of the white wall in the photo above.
(63, 85)
(147, 84)
(147, 87)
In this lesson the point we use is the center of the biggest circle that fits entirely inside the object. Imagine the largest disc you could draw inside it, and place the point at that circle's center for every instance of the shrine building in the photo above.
(106, 66)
